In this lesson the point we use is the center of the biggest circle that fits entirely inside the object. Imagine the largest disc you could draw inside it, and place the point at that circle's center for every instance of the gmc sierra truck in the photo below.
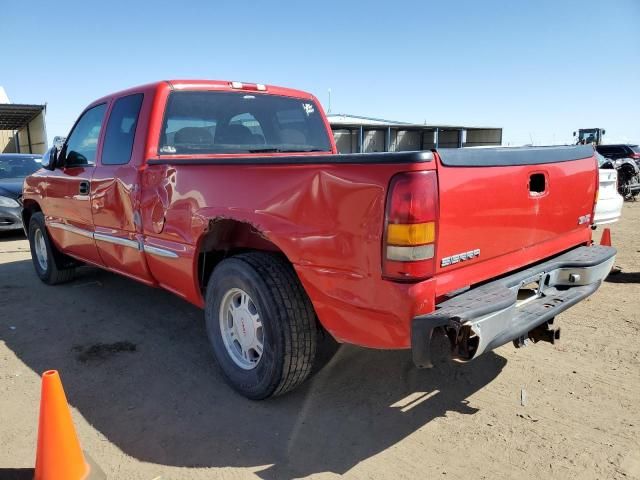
(232, 196)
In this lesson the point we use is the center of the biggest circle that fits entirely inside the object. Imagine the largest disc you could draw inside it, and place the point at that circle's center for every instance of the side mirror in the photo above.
(603, 132)
(574, 134)
(50, 158)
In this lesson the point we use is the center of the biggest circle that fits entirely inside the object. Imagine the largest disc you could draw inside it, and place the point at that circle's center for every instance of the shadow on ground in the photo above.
(16, 473)
(10, 236)
(160, 398)
(624, 277)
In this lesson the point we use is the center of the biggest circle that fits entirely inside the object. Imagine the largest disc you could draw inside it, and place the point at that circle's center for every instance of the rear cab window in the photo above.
(241, 122)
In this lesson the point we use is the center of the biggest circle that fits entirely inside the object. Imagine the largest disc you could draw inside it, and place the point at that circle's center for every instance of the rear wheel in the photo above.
(47, 260)
(261, 324)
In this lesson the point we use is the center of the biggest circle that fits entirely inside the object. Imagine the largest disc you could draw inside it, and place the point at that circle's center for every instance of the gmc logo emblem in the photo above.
(460, 257)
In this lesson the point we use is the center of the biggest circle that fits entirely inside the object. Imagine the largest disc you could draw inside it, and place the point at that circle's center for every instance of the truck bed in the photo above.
(485, 200)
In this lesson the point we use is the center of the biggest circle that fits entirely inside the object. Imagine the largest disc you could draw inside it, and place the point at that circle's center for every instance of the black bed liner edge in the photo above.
(451, 157)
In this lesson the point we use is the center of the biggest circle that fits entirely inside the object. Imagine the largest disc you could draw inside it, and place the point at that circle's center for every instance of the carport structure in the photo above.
(22, 128)
(354, 133)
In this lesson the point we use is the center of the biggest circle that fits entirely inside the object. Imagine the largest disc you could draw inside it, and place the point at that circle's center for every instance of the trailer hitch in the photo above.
(542, 333)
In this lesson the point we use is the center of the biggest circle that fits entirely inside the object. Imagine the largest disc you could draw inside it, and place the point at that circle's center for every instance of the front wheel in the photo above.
(261, 324)
(45, 256)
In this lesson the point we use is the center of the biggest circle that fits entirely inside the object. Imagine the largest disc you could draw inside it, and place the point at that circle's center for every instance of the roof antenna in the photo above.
(329, 109)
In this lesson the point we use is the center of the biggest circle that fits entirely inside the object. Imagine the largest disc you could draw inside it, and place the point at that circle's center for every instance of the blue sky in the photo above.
(539, 69)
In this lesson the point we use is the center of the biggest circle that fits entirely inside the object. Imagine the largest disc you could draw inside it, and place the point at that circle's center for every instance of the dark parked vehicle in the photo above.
(628, 177)
(14, 168)
(625, 159)
(615, 152)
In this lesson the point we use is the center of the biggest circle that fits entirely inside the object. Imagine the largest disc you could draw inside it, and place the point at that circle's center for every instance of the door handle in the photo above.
(84, 188)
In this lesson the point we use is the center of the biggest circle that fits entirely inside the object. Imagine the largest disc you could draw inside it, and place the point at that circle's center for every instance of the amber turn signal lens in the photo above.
(411, 234)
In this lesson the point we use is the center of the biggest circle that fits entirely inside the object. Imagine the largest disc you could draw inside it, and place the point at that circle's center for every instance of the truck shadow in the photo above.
(16, 473)
(11, 235)
(624, 277)
(136, 364)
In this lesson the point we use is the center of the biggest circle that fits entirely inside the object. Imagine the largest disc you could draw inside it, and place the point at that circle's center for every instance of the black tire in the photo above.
(56, 271)
(288, 323)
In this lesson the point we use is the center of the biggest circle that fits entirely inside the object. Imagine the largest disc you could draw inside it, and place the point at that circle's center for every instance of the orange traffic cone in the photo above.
(606, 238)
(59, 456)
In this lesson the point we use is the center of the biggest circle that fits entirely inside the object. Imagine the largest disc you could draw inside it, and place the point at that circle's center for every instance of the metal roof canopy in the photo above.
(344, 120)
(15, 116)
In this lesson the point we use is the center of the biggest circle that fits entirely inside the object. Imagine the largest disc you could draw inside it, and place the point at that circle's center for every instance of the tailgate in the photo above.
(535, 201)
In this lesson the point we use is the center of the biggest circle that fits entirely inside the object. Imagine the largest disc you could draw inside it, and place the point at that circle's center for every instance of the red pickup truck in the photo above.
(232, 196)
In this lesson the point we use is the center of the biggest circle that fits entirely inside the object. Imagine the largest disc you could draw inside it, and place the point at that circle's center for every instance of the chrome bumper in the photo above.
(515, 307)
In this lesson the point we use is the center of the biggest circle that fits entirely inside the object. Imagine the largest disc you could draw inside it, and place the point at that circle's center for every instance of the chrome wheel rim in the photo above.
(41, 249)
(241, 328)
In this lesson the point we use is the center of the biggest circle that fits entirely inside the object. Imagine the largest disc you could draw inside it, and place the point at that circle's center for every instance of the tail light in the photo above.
(409, 245)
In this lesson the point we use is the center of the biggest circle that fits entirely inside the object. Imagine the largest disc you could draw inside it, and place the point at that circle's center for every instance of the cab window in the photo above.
(121, 130)
(235, 122)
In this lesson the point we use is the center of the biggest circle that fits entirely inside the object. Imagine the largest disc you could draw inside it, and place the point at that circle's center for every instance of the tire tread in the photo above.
(55, 274)
(294, 311)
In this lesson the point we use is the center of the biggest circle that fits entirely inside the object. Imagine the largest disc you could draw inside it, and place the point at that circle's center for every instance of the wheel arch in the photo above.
(226, 237)
(29, 207)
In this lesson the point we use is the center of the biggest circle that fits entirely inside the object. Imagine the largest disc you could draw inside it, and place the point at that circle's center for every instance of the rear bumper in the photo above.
(492, 314)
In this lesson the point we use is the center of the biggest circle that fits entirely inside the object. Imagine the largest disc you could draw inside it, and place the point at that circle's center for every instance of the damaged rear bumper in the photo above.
(516, 307)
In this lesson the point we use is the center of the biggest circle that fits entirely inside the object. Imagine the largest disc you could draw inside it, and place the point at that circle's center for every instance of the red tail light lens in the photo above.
(410, 226)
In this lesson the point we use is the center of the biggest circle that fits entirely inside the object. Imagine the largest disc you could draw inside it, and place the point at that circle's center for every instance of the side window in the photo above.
(121, 130)
(82, 144)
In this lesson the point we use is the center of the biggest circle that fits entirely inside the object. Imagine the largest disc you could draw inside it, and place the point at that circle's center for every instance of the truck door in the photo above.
(115, 189)
(68, 207)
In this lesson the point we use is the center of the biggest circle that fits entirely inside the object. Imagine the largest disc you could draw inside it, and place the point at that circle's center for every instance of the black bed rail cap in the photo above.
(345, 158)
(512, 156)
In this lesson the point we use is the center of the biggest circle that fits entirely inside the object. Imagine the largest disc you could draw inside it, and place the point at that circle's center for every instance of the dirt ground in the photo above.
(149, 402)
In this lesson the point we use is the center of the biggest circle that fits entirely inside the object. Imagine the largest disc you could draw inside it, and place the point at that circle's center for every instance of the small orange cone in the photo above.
(59, 456)
(606, 238)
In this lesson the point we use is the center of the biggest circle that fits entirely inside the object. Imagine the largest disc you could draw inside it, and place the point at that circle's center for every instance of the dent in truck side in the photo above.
(327, 221)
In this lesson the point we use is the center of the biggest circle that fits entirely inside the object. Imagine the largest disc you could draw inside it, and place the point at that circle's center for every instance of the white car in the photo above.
(609, 204)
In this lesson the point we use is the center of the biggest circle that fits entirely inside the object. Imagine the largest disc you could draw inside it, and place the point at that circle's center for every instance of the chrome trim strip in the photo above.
(125, 242)
(161, 252)
(71, 228)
